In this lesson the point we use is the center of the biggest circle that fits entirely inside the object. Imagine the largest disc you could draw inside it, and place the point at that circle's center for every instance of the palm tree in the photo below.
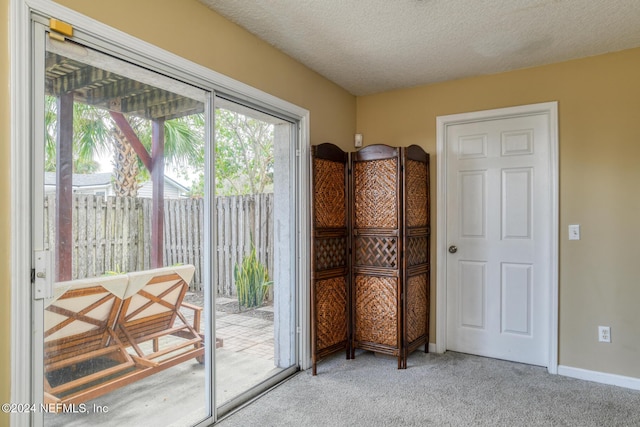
(126, 170)
(95, 134)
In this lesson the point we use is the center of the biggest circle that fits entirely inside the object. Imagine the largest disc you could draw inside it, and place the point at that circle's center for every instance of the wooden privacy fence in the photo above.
(112, 234)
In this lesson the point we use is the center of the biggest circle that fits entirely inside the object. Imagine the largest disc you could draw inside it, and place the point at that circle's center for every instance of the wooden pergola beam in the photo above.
(157, 180)
(64, 188)
(149, 104)
(124, 126)
(143, 101)
(117, 88)
(169, 108)
(75, 80)
(94, 85)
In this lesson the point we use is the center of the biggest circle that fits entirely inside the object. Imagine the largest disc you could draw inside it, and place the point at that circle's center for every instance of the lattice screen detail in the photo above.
(330, 252)
(376, 251)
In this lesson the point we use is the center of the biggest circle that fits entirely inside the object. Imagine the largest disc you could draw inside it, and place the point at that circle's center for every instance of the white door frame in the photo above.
(442, 125)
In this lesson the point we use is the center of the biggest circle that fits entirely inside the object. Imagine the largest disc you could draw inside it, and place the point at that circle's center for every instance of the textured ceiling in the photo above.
(370, 46)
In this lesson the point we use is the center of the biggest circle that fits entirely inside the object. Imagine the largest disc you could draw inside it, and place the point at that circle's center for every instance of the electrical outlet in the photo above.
(604, 334)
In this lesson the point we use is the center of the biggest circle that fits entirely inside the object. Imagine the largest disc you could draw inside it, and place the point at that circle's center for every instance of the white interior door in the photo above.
(498, 203)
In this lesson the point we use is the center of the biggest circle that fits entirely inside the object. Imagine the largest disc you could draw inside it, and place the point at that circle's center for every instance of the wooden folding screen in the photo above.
(388, 279)
(330, 267)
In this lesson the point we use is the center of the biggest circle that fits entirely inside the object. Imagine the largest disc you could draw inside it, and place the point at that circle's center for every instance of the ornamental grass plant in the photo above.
(252, 280)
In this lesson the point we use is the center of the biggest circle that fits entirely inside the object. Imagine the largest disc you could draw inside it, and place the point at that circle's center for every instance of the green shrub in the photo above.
(252, 280)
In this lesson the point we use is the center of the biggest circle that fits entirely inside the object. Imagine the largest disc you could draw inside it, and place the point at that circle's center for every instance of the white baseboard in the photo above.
(600, 377)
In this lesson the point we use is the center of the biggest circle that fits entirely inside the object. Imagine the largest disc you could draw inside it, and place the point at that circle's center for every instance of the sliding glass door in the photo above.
(255, 243)
(165, 236)
(122, 237)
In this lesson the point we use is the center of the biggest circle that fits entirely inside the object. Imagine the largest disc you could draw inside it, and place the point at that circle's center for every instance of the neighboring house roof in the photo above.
(82, 179)
(103, 179)
(176, 184)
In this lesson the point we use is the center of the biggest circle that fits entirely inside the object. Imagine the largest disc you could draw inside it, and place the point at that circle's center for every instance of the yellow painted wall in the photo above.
(599, 123)
(5, 228)
(191, 30)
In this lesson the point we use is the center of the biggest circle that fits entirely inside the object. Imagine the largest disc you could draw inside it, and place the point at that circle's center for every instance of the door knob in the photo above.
(453, 249)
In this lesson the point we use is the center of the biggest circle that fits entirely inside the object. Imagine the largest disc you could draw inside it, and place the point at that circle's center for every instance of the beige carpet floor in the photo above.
(451, 389)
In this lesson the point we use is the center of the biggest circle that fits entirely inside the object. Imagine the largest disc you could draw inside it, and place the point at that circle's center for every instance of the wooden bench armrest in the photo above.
(197, 314)
(191, 306)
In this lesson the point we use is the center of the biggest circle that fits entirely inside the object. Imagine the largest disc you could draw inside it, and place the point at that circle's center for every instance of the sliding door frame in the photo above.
(124, 46)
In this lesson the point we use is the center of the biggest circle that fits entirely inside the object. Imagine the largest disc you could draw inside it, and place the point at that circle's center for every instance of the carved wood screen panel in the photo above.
(330, 281)
(416, 233)
(376, 247)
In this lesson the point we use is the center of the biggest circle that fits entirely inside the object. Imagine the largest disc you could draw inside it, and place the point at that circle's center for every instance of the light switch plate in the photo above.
(574, 232)
(358, 140)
